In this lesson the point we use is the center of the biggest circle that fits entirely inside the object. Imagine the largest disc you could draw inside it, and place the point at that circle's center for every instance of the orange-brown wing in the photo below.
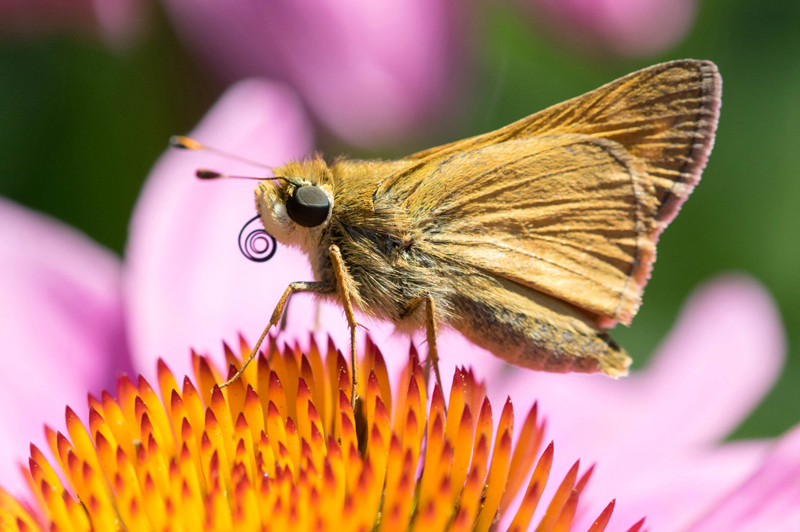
(569, 215)
(571, 200)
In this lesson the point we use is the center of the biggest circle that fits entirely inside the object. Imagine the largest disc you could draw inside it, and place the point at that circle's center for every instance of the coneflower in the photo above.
(282, 449)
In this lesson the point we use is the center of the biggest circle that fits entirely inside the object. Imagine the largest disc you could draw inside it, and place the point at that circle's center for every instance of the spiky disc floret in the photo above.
(281, 449)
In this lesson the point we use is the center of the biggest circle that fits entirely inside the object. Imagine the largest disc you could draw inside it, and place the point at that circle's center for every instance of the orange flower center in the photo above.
(281, 449)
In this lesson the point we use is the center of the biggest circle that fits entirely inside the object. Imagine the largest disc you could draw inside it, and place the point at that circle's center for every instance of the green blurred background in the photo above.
(80, 126)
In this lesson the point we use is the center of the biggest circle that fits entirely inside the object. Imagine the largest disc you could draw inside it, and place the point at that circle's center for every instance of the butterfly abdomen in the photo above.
(533, 330)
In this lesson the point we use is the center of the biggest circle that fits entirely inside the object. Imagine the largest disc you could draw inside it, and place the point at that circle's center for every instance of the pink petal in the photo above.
(722, 358)
(372, 71)
(186, 282)
(673, 491)
(31, 17)
(118, 21)
(625, 27)
(121, 22)
(61, 323)
(768, 500)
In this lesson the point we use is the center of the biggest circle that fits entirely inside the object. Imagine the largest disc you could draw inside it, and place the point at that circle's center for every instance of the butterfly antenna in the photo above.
(186, 143)
(203, 173)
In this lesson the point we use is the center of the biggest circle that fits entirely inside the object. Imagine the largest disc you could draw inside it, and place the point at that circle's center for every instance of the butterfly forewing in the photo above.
(571, 200)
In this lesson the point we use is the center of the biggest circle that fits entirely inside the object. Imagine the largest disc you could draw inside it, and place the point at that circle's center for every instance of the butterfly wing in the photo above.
(571, 200)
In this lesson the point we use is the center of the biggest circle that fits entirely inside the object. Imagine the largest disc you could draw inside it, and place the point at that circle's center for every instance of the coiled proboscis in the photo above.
(257, 245)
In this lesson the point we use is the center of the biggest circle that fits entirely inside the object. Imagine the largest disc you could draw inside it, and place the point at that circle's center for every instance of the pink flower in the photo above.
(61, 324)
(655, 436)
(372, 72)
(376, 72)
(119, 22)
(624, 27)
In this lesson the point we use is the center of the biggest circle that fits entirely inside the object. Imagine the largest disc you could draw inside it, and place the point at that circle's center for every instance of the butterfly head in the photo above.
(297, 207)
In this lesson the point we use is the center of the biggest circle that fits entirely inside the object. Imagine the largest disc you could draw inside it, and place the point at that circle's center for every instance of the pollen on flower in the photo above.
(282, 449)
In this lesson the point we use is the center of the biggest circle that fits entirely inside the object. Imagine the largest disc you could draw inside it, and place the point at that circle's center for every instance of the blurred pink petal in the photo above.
(624, 27)
(186, 282)
(371, 71)
(728, 349)
(119, 22)
(61, 323)
(767, 500)
(663, 423)
(675, 489)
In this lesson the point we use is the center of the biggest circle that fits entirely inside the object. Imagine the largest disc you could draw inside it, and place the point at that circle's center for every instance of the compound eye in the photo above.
(308, 206)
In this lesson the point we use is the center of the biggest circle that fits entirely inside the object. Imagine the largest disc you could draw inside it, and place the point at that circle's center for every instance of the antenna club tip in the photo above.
(207, 174)
(184, 143)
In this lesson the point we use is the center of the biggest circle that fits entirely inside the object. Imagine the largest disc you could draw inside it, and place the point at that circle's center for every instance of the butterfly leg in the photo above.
(345, 285)
(320, 288)
(430, 329)
(282, 325)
